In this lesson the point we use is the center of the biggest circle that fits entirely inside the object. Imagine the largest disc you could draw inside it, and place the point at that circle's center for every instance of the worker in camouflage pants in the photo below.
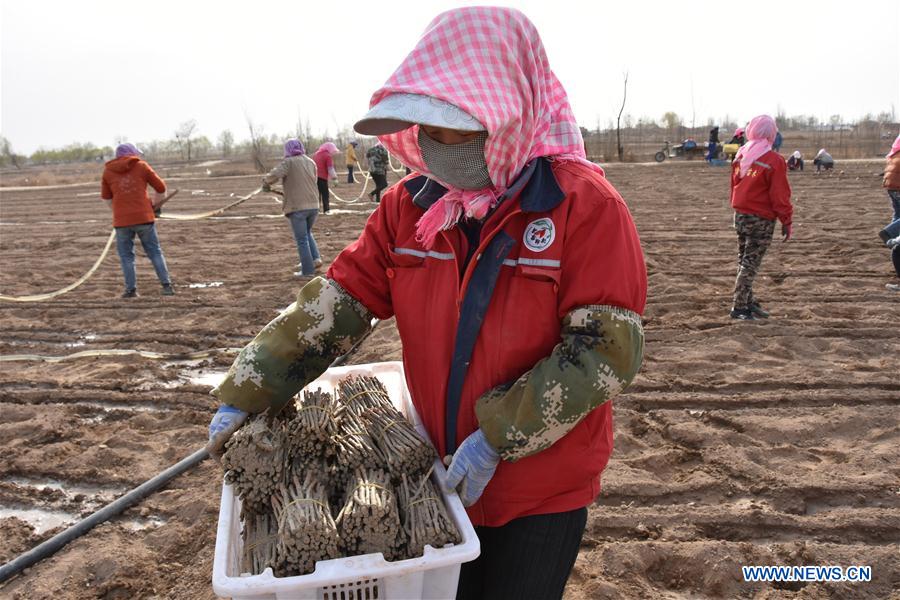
(760, 194)
(754, 236)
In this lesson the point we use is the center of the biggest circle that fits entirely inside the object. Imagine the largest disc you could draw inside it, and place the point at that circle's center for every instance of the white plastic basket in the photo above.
(367, 577)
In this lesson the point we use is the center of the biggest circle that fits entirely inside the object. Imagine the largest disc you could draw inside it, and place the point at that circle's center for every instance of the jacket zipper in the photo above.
(481, 246)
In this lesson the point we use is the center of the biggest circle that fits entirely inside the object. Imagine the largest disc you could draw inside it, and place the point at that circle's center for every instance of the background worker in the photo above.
(297, 174)
(378, 158)
(823, 161)
(350, 155)
(324, 158)
(760, 194)
(795, 161)
(712, 144)
(124, 188)
(513, 371)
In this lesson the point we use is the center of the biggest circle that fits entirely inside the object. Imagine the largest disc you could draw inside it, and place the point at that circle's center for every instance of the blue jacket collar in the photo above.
(540, 192)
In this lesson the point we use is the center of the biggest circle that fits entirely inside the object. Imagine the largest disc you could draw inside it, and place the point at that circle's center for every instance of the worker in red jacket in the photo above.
(124, 188)
(517, 280)
(760, 194)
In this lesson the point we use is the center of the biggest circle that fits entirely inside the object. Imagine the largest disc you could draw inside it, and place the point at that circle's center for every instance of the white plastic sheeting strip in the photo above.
(70, 287)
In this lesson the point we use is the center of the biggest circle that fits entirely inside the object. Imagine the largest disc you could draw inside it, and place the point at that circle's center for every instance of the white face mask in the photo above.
(460, 165)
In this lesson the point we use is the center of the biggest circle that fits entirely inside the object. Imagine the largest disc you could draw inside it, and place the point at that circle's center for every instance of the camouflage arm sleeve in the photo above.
(600, 353)
(295, 347)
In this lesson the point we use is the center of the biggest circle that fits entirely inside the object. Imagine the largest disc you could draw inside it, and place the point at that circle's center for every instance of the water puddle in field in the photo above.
(99, 493)
(208, 377)
(108, 411)
(207, 285)
(143, 523)
(91, 497)
(346, 211)
(81, 341)
(42, 520)
(107, 407)
(195, 372)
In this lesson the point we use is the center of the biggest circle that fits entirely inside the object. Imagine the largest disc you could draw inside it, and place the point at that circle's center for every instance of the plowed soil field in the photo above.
(774, 442)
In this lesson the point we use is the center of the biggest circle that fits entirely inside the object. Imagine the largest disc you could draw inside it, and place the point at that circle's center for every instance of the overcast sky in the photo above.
(95, 71)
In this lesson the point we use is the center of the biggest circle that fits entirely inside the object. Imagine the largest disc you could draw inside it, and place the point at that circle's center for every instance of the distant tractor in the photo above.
(688, 150)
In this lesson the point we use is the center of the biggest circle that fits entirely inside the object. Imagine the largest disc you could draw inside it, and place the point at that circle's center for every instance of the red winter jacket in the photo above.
(764, 191)
(591, 256)
(125, 182)
(324, 163)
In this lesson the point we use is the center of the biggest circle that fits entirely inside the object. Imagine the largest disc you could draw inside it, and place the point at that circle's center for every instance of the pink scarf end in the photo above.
(446, 212)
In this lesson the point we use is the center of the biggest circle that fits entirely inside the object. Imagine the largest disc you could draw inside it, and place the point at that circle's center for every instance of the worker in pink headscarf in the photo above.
(760, 194)
(517, 280)
(324, 158)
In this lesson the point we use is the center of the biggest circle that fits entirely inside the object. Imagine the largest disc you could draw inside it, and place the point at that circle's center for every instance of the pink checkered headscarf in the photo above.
(761, 135)
(489, 62)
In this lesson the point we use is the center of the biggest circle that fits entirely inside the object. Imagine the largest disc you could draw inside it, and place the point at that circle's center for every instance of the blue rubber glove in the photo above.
(225, 422)
(472, 467)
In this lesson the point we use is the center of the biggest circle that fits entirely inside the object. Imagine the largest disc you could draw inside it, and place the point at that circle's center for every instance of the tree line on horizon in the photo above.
(636, 135)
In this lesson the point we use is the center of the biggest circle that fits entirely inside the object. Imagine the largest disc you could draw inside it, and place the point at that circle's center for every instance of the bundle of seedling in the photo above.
(357, 458)
(260, 535)
(404, 450)
(254, 462)
(306, 530)
(312, 427)
(425, 518)
(370, 521)
(354, 447)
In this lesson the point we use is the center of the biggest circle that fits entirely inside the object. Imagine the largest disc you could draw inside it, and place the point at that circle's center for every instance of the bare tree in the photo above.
(307, 131)
(226, 142)
(183, 135)
(299, 131)
(619, 146)
(257, 143)
(7, 155)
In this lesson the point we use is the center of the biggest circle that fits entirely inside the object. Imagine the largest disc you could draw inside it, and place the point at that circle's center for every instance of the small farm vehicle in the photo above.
(688, 149)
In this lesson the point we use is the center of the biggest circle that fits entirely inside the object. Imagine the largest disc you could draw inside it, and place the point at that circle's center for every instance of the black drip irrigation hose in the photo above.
(42, 551)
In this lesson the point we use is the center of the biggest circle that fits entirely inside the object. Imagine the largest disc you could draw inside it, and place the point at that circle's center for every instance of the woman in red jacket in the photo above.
(760, 194)
(517, 280)
(325, 171)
